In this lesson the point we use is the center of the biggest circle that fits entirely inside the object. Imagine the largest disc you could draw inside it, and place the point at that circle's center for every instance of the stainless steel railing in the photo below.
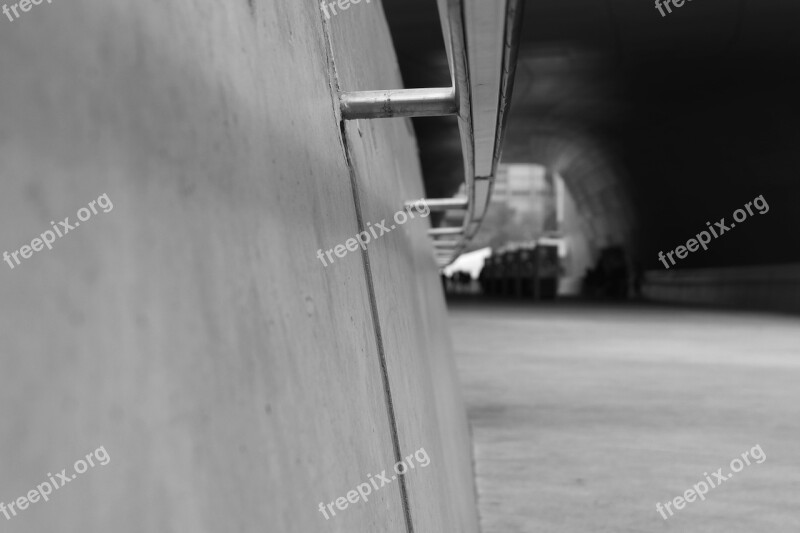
(481, 38)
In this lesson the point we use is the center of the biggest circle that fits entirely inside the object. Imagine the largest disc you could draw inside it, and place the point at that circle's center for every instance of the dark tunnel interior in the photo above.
(658, 125)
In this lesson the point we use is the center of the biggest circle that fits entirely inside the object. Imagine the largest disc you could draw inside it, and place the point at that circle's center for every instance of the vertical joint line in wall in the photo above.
(387, 392)
(373, 304)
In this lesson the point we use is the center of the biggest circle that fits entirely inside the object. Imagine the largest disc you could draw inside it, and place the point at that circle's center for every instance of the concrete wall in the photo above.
(411, 311)
(191, 331)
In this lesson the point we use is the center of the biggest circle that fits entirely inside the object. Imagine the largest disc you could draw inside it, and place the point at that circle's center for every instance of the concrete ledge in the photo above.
(772, 287)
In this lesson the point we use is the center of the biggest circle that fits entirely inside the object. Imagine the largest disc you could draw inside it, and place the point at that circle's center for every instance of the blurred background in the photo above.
(629, 131)
(598, 382)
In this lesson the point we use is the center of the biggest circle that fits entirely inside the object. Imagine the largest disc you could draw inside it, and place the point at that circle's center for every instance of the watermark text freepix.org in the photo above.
(63, 227)
(676, 3)
(44, 490)
(700, 489)
(24, 5)
(363, 238)
(365, 489)
(704, 237)
(343, 5)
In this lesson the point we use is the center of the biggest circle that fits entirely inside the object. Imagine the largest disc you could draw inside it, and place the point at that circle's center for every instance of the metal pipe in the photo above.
(443, 204)
(435, 232)
(398, 103)
(457, 19)
(455, 26)
(510, 51)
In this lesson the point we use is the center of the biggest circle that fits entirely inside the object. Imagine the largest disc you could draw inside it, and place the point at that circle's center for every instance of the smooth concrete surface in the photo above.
(584, 417)
(192, 331)
(408, 294)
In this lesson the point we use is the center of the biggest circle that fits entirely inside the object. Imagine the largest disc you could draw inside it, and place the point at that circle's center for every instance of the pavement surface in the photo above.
(584, 417)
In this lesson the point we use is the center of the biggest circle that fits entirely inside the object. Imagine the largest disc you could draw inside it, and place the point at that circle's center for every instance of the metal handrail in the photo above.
(398, 103)
(472, 92)
(457, 17)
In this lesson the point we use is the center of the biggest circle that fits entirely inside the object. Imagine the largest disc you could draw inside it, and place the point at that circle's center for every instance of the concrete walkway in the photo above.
(584, 417)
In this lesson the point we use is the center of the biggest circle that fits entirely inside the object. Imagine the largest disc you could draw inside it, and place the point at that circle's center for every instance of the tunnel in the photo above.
(421, 266)
(657, 126)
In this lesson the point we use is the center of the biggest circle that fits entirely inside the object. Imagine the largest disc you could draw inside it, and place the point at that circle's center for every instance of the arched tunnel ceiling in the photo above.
(595, 182)
(672, 121)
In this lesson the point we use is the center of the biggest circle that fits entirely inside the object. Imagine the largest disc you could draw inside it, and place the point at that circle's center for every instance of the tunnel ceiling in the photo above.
(664, 122)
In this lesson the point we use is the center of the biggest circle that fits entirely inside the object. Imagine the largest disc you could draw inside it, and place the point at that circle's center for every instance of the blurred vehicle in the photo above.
(609, 279)
(522, 270)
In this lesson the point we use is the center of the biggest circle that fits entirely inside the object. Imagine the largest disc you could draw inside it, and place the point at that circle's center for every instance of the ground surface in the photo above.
(584, 417)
